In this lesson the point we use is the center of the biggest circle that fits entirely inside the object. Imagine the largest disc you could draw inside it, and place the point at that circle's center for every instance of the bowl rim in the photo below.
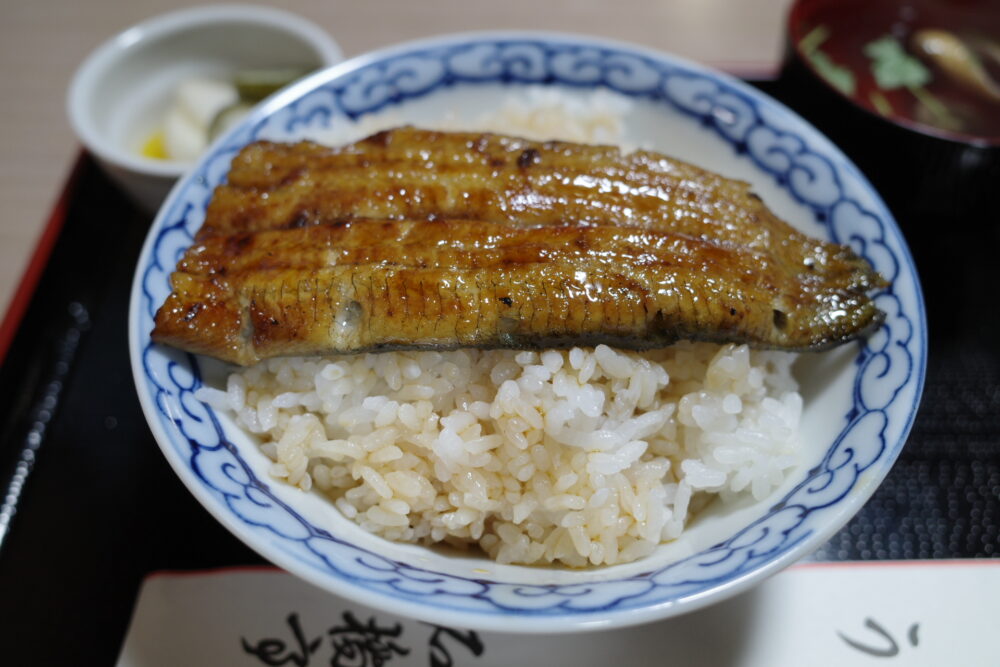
(133, 38)
(569, 623)
(797, 13)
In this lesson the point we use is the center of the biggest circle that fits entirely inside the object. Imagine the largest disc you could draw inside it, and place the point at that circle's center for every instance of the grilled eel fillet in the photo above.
(413, 239)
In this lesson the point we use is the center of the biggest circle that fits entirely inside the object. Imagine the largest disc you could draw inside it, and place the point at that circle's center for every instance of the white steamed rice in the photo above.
(580, 457)
(585, 456)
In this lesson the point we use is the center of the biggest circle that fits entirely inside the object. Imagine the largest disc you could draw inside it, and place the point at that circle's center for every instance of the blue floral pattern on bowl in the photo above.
(887, 375)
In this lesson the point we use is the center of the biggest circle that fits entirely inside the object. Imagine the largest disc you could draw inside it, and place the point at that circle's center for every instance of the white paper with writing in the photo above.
(903, 613)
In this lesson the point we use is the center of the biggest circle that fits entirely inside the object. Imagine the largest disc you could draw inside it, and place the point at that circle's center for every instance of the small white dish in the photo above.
(119, 92)
(860, 399)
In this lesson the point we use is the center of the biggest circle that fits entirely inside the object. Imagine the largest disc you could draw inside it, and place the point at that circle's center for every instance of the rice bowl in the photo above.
(856, 402)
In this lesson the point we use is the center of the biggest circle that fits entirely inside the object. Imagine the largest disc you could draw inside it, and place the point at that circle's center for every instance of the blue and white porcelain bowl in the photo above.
(860, 399)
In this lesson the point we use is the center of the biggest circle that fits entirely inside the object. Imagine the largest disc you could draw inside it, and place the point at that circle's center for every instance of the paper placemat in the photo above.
(902, 612)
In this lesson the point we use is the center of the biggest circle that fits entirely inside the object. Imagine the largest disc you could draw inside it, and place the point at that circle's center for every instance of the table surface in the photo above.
(42, 42)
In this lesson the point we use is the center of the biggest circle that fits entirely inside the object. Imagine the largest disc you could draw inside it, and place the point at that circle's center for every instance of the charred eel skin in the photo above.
(414, 239)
